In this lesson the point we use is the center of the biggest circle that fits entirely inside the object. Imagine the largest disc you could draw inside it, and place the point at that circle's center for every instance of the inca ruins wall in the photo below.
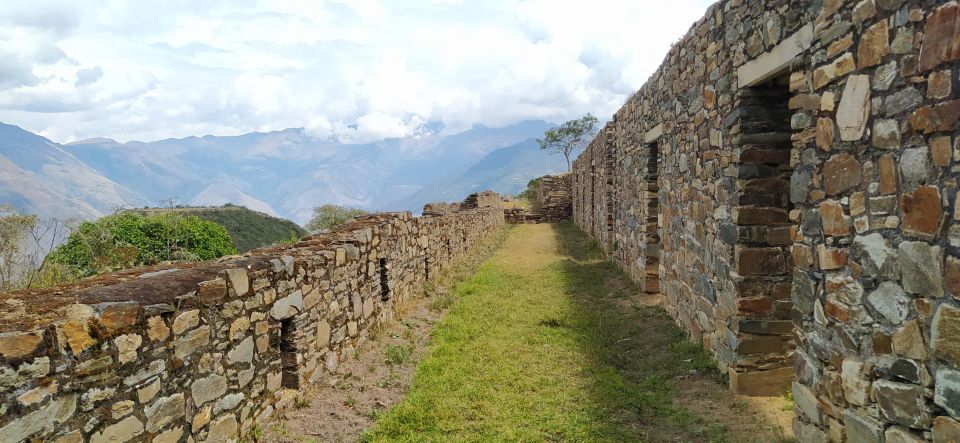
(789, 178)
(205, 351)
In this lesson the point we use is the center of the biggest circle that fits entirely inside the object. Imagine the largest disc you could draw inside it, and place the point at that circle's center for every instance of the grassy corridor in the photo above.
(549, 342)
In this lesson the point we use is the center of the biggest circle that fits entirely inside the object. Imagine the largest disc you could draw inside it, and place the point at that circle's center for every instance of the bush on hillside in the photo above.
(328, 216)
(130, 239)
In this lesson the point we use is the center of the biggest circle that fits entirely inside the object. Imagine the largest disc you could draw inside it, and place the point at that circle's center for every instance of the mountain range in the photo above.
(281, 173)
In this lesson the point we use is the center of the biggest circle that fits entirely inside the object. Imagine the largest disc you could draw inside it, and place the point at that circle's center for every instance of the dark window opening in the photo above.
(384, 280)
(288, 355)
(426, 268)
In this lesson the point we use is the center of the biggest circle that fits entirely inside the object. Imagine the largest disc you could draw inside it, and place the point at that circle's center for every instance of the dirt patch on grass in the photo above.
(736, 418)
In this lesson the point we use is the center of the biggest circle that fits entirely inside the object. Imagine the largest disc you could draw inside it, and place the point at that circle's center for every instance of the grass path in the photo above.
(549, 342)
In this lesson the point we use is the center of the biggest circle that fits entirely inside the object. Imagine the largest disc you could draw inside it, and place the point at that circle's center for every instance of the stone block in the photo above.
(874, 45)
(946, 392)
(208, 388)
(920, 265)
(768, 383)
(922, 212)
(946, 430)
(941, 37)
(117, 318)
(212, 292)
(15, 346)
(754, 261)
(776, 60)
(805, 400)
(903, 403)
(119, 432)
(861, 428)
(288, 306)
(841, 173)
(854, 107)
(945, 333)
(164, 411)
(239, 280)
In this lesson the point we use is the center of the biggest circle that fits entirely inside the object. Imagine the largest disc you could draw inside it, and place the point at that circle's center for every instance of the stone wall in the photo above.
(485, 199)
(790, 170)
(205, 351)
(519, 216)
(553, 198)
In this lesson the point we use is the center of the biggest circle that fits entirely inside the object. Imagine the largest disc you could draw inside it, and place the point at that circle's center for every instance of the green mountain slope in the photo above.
(248, 229)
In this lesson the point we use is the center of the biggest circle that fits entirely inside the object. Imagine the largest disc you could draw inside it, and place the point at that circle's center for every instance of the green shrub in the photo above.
(129, 239)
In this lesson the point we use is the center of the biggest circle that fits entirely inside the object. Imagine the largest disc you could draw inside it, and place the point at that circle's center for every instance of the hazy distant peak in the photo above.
(94, 141)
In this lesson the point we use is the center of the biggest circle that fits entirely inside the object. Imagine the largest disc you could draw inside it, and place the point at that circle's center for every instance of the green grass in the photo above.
(398, 354)
(542, 343)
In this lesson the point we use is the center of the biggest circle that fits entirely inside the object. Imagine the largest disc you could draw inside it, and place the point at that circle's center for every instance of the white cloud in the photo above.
(358, 71)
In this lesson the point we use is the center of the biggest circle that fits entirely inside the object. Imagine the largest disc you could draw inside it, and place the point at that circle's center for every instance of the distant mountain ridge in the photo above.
(281, 173)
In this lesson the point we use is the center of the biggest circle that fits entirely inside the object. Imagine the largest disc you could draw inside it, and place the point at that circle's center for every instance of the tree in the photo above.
(328, 216)
(570, 136)
(14, 229)
(530, 193)
(24, 242)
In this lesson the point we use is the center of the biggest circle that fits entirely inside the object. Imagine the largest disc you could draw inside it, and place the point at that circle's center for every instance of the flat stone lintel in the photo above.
(774, 62)
(653, 134)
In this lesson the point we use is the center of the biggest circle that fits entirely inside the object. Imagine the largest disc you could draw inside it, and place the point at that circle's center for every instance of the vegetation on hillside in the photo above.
(249, 229)
(131, 239)
(328, 216)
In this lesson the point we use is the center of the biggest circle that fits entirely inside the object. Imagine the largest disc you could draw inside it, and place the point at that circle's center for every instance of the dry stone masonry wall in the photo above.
(552, 202)
(553, 199)
(789, 174)
(203, 352)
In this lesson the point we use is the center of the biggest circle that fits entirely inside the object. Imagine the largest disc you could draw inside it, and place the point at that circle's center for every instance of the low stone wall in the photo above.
(519, 216)
(205, 351)
(441, 208)
(790, 173)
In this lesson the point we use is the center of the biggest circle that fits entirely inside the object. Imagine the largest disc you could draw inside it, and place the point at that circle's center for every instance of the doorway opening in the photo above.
(762, 241)
(651, 208)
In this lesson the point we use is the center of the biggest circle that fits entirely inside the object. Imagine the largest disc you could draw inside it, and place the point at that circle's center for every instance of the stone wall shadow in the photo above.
(649, 352)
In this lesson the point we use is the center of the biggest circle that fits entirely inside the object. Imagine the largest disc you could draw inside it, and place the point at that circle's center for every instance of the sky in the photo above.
(353, 71)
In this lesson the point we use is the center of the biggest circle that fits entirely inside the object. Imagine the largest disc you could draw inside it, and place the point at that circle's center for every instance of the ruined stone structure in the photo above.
(552, 202)
(204, 351)
(789, 175)
(554, 199)
(519, 216)
(485, 199)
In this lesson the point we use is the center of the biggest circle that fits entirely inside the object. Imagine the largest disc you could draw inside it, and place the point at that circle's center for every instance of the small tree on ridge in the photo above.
(570, 136)
(328, 216)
